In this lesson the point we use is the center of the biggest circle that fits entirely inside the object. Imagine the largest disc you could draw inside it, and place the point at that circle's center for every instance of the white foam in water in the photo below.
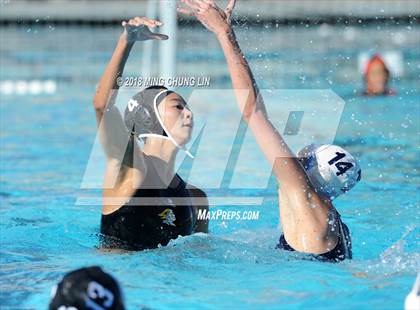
(24, 87)
(412, 301)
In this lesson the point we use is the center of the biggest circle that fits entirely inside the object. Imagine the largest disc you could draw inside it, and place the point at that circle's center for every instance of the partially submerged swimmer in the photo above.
(377, 76)
(308, 183)
(331, 172)
(145, 203)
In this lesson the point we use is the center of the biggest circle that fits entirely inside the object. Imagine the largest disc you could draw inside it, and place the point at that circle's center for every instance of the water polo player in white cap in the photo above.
(308, 182)
(145, 203)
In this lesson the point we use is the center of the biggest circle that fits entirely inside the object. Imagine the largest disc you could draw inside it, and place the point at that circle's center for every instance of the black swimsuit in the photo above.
(341, 251)
(138, 227)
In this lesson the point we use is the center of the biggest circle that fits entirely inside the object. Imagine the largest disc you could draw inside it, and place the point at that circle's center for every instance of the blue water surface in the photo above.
(46, 141)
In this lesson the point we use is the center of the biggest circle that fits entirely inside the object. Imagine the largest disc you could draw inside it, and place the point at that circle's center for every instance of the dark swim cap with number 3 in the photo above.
(87, 288)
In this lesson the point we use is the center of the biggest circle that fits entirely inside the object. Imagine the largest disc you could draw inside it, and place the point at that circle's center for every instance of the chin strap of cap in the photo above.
(169, 136)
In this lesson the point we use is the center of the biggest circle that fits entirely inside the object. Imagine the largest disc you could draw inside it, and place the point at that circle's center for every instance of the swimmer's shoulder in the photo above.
(197, 193)
(297, 196)
(200, 204)
(121, 182)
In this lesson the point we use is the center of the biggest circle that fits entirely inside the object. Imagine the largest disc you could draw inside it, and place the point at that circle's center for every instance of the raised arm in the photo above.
(286, 167)
(112, 131)
(134, 30)
(108, 83)
(304, 214)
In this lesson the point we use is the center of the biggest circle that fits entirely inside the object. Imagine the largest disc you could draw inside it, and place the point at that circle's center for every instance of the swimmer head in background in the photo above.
(87, 288)
(143, 119)
(377, 76)
(332, 170)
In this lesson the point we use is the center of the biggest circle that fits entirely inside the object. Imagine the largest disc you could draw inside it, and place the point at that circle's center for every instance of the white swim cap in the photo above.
(331, 169)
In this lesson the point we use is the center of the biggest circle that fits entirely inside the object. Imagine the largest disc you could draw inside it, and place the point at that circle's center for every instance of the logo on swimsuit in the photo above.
(168, 217)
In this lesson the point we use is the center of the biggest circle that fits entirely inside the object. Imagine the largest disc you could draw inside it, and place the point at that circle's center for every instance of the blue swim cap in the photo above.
(332, 170)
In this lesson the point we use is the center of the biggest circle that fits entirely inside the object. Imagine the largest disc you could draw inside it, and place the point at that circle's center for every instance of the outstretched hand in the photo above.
(136, 29)
(209, 14)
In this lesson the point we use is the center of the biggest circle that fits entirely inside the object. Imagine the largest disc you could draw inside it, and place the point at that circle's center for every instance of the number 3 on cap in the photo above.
(132, 104)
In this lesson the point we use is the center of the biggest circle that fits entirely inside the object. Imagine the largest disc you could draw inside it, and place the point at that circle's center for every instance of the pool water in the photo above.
(46, 140)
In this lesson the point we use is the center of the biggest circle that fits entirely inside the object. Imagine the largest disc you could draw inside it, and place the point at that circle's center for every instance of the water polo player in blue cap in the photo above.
(308, 182)
(145, 203)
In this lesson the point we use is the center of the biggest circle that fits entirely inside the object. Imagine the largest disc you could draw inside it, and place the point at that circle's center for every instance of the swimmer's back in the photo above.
(342, 251)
